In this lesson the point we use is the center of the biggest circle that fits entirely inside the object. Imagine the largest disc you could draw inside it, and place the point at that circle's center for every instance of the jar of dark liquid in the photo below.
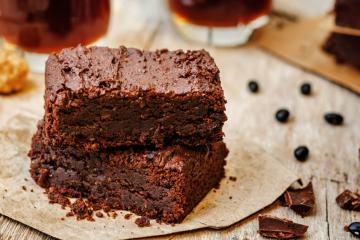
(39, 27)
(219, 22)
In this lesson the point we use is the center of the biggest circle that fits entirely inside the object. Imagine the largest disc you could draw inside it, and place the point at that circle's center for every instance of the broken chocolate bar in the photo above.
(274, 227)
(302, 201)
(349, 200)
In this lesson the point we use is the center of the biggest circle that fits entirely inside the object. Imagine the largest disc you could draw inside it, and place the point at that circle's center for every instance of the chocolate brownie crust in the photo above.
(165, 184)
(99, 97)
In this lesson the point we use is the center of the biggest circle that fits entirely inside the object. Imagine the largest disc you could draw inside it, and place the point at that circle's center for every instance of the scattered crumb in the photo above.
(173, 225)
(70, 214)
(82, 210)
(32, 190)
(99, 214)
(114, 215)
(25, 179)
(56, 197)
(214, 190)
(62, 219)
(128, 216)
(231, 178)
(107, 209)
(346, 228)
(24, 188)
(230, 197)
(142, 222)
(5, 190)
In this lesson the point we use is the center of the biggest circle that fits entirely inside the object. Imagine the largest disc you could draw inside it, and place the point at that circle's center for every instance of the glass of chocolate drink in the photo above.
(39, 27)
(219, 22)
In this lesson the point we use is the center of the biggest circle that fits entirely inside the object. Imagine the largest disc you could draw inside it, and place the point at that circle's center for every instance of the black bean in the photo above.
(253, 86)
(334, 118)
(282, 115)
(305, 89)
(354, 228)
(301, 153)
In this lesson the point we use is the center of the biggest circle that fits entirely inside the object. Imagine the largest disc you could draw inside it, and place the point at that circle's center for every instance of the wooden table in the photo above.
(334, 163)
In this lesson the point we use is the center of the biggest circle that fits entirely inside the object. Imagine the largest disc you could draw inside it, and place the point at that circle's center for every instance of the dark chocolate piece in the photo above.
(99, 97)
(349, 200)
(166, 186)
(302, 201)
(274, 227)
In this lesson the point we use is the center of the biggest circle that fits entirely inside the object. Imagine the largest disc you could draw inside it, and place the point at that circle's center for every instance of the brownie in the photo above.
(99, 97)
(347, 13)
(346, 48)
(165, 184)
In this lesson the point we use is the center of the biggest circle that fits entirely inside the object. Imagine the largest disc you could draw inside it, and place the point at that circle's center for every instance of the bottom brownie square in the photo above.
(346, 48)
(165, 184)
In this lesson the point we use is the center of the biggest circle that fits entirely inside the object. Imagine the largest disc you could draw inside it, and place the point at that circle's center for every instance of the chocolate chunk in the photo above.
(302, 201)
(142, 222)
(349, 200)
(274, 227)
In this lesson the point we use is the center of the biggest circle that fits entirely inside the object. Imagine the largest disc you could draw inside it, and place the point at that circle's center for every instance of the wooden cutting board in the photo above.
(301, 43)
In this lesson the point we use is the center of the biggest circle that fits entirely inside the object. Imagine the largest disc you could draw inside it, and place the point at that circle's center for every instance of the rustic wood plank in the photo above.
(333, 163)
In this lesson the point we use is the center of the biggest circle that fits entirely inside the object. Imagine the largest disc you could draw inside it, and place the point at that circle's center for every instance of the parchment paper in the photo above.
(260, 181)
(301, 43)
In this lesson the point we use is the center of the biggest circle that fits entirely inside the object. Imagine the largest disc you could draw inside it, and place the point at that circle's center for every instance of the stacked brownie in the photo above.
(346, 48)
(130, 129)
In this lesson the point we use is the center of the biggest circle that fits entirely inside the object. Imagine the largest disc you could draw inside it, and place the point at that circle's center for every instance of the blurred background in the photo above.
(37, 27)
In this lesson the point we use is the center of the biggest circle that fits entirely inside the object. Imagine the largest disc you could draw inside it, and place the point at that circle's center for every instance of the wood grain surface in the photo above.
(333, 164)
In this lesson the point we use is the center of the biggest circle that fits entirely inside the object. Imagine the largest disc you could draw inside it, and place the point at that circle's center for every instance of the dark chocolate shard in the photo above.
(349, 200)
(274, 227)
(302, 201)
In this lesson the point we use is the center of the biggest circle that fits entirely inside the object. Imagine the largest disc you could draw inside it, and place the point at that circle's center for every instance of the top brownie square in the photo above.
(99, 97)
(347, 13)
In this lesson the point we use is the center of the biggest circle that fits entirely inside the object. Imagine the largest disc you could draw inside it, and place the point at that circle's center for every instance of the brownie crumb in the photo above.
(114, 215)
(230, 197)
(56, 197)
(23, 188)
(99, 214)
(62, 219)
(25, 179)
(82, 210)
(31, 190)
(142, 222)
(70, 214)
(231, 178)
(128, 216)
(5, 190)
